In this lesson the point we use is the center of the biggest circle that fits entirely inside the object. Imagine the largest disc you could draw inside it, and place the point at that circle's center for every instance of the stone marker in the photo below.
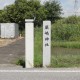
(46, 43)
(29, 43)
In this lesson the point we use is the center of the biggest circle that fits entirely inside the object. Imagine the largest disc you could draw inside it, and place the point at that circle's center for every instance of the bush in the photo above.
(20, 62)
(72, 20)
(63, 31)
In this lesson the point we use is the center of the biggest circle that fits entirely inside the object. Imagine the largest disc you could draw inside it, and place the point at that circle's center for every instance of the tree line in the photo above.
(30, 9)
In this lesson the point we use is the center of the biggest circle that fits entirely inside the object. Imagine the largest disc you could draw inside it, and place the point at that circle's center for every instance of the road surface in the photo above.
(9, 54)
(40, 74)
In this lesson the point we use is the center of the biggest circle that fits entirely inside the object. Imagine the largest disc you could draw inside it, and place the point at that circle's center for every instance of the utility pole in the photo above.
(75, 7)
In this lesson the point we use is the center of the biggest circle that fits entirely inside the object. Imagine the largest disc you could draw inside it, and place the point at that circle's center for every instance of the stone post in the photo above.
(29, 43)
(46, 43)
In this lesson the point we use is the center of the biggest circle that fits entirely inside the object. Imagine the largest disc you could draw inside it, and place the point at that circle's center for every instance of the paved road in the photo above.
(12, 52)
(40, 75)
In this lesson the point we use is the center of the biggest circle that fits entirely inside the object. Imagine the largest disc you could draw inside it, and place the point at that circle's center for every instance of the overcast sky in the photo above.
(67, 5)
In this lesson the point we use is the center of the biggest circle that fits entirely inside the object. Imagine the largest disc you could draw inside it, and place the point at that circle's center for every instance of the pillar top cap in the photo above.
(29, 20)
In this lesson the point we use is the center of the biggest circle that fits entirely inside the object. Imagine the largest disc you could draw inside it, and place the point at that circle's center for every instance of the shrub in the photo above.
(64, 31)
(20, 62)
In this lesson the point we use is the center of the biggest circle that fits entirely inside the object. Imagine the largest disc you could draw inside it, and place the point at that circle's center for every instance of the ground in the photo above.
(40, 74)
(12, 50)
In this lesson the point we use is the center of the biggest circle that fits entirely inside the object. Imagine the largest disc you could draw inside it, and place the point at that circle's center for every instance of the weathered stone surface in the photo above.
(46, 43)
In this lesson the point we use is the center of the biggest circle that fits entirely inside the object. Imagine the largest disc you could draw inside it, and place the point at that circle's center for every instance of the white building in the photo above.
(9, 30)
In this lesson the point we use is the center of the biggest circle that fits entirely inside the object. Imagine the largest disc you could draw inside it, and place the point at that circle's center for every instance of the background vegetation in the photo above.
(63, 54)
(30, 9)
(65, 31)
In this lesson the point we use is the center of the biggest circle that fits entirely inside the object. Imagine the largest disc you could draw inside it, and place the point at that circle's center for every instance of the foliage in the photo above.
(29, 9)
(54, 10)
(20, 62)
(65, 61)
(65, 57)
(3, 16)
(72, 20)
(38, 47)
(65, 50)
(66, 30)
(63, 54)
(66, 44)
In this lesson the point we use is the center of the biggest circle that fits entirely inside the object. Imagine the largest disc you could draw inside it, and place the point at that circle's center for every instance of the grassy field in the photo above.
(65, 57)
(66, 44)
(64, 54)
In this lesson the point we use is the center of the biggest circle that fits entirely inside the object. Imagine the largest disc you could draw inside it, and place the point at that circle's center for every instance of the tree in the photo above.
(31, 9)
(54, 10)
(28, 9)
(24, 9)
(3, 16)
(40, 16)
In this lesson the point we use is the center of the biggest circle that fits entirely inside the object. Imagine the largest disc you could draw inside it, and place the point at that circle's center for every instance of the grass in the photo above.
(67, 44)
(64, 54)
(65, 57)
(20, 62)
(65, 61)
(38, 47)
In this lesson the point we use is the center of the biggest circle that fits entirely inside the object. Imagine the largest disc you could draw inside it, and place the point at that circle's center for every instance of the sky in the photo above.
(67, 6)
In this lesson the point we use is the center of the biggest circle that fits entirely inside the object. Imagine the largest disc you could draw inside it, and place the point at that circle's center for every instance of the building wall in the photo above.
(16, 30)
(8, 30)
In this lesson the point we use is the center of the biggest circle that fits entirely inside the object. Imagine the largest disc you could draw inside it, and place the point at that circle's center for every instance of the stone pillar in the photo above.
(46, 43)
(29, 43)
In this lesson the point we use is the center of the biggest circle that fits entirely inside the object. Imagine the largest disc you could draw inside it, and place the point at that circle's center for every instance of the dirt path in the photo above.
(12, 52)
